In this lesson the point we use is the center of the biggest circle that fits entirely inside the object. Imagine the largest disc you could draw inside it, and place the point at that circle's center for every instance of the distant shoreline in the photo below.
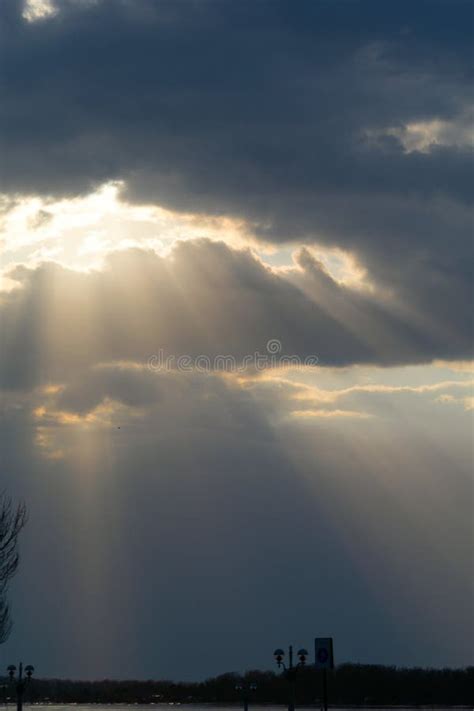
(217, 704)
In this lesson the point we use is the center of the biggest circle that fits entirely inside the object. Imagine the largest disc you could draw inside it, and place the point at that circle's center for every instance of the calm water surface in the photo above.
(218, 707)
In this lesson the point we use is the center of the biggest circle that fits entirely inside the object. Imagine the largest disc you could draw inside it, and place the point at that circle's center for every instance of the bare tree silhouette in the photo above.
(12, 520)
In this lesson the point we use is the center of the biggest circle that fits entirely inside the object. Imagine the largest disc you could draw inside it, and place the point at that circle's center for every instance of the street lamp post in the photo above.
(246, 690)
(21, 681)
(290, 671)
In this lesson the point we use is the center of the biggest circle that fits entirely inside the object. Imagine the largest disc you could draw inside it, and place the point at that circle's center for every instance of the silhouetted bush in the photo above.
(347, 684)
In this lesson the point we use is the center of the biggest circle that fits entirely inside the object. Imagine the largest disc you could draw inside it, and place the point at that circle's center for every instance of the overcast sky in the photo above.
(236, 331)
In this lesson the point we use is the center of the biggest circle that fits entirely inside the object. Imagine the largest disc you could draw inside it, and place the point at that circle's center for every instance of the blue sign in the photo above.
(323, 653)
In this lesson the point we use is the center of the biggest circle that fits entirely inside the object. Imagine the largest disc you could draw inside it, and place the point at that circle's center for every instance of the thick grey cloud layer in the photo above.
(205, 298)
(288, 115)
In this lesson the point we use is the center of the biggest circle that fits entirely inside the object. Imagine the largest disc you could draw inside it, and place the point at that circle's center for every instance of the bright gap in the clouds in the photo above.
(425, 136)
(78, 232)
(35, 10)
(342, 266)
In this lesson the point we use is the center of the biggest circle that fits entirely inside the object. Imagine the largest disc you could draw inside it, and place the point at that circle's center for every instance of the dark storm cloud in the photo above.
(204, 298)
(174, 95)
(274, 112)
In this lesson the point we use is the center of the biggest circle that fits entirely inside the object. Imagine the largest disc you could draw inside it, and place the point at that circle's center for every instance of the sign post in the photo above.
(324, 660)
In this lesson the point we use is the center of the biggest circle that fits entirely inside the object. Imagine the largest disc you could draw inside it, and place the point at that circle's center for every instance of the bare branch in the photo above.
(12, 520)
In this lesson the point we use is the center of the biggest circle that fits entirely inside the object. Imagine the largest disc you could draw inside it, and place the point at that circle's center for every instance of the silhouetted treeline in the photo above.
(348, 684)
